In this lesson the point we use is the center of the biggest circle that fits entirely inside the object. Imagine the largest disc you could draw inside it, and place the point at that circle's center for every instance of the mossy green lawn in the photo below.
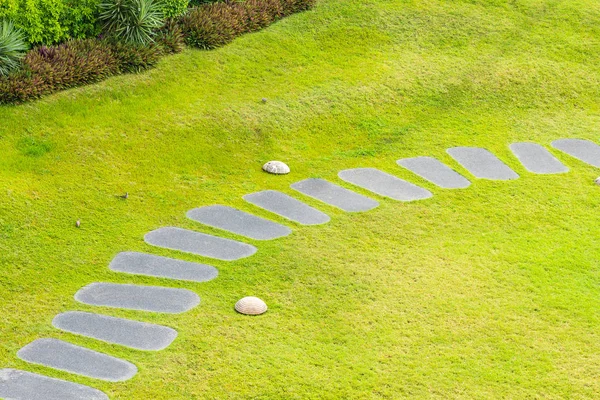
(487, 292)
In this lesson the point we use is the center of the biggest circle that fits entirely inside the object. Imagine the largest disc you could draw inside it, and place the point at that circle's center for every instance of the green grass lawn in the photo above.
(488, 292)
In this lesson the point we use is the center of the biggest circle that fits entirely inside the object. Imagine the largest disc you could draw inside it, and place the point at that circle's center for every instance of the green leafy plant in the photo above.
(12, 47)
(132, 21)
(174, 8)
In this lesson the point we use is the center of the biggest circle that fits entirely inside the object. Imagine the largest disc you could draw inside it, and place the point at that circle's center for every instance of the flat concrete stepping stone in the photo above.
(199, 243)
(288, 207)
(238, 222)
(135, 297)
(481, 163)
(78, 360)
(435, 171)
(22, 385)
(583, 150)
(135, 334)
(535, 158)
(150, 265)
(384, 184)
(335, 195)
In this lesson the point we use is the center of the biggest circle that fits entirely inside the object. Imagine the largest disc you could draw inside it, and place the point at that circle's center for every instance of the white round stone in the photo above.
(251, 306)
(597, 181)
(276, 167)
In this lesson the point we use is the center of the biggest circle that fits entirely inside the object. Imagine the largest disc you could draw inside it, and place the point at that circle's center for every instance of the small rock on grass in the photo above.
(276, 167)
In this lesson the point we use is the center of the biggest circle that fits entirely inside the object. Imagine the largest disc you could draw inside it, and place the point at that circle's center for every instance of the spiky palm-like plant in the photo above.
(132, 21)
(12, 47)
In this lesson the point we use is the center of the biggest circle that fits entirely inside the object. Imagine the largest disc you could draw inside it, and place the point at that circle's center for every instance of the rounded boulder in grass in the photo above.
(276, 168)
(251, 306)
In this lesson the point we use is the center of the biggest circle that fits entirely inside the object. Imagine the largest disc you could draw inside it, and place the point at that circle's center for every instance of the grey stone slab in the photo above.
(135, 297)
(384, 184)
(435, 171)
(199, 243)
(583, 150)
(147, 264)
(535, 158)
(481, 163)
(288, 207)
(238, 222)
(335, 195)
(134, 334)
(21, 385)
(78, 360)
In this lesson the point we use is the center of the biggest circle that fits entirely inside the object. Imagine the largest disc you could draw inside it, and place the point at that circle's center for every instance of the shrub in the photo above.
(216, 24)
(213, 25)
(52, 21)
(132, 21)
(174, 8)
(170, 38)
(262, 13)
(295, 6)
(12, 47)
(74, 63)
(81, 19)
(197, 3)
(133, 57)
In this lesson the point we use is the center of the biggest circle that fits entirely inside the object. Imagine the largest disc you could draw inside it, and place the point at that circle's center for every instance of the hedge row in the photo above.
(217, 24)
(47, 69)
(54, 21)
(80, 62)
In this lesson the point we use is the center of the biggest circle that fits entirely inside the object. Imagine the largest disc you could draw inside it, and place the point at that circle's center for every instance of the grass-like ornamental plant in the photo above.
(214, 25)
(47, 69)
(132, 21)
(12, 47)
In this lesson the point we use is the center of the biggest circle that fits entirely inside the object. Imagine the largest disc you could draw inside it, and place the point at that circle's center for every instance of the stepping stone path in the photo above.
(537, 159)
(287, 207)
(384, 184)
(53, 353)
(199, 243)
(65, 356)
(22, 385)
(135, 297)
(125, 332)
(239, 222)
(584, 150)
(481, 163)
(162, 267)
(335, 195)
(434, 171)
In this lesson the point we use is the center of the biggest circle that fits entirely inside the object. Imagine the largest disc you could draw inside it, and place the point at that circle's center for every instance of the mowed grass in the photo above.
(488, 292)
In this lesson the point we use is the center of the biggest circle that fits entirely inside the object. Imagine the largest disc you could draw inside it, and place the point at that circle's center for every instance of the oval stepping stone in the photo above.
(288, 207)
(135, 297)
(583, 150)
(436, 172)
(135, 334)
(335, 195)
(239, 222)
(481, 163)
(22, 385)
(384, 184)
(162, 267)
(535, 158)
(199, 243)
(78, 360)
